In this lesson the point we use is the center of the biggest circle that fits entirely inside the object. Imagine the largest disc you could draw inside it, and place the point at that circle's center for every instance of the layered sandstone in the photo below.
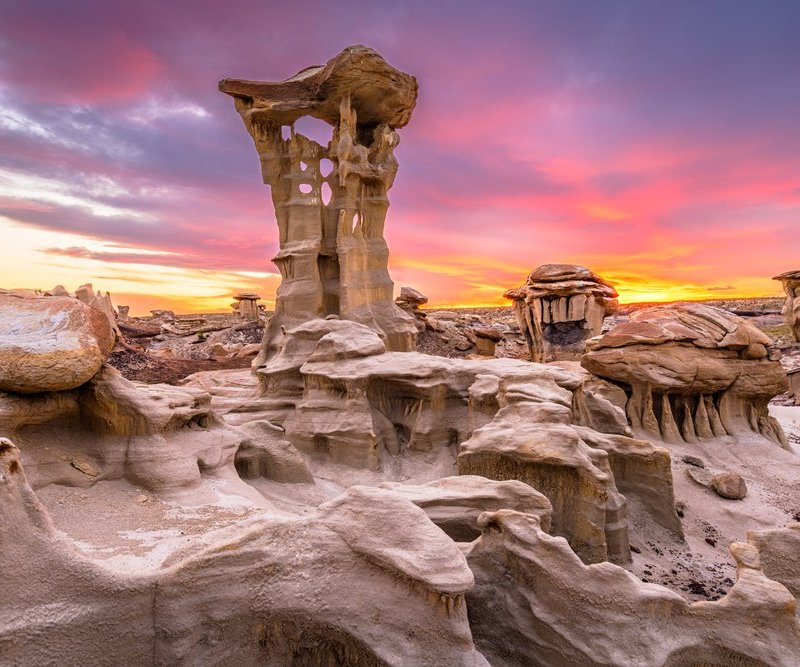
(333, 256)
(559, 307)
(691, 372)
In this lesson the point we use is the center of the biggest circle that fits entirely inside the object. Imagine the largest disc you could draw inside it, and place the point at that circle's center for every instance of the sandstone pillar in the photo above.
(333, 257)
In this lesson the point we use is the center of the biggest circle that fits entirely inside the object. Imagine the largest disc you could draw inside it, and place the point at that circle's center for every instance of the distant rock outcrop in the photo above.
(791, 309)
(559, 307)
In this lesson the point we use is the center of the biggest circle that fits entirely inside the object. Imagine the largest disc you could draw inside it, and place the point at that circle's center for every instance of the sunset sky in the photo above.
(657, 143)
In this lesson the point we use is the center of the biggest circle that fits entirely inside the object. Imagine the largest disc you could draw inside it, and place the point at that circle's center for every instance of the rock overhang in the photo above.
(378, 92)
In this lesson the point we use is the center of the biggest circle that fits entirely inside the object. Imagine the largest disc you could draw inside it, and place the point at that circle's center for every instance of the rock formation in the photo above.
(566, 613)
(360, 505)
(50, 344)
(791, 309)
(341, 399)
(367, 579)
(246, 305)
(486, 338)
(98, 301)
(691, 372)
(333, 256)
(559, 308)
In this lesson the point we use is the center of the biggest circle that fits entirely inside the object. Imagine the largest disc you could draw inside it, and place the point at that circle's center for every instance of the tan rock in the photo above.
(50, 344)
(691, 372)
(98, 301)
(265, 453)
(340, 266)
(567, 613)
(247, 305)
(249, 350)
(729, 485)
(780, 554)
(455, 503)
(365, 579)
(411, 297)
(559, 308)
(791, 309)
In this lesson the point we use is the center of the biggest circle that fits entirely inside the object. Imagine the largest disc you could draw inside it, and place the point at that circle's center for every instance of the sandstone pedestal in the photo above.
(331, 201)
(246, 305)
(559, 308)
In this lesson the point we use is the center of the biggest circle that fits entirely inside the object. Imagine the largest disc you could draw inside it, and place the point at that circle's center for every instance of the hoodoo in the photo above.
(333, 257)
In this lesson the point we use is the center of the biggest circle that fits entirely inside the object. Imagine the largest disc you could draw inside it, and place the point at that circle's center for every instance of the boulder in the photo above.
(50, 344)
(729, 485)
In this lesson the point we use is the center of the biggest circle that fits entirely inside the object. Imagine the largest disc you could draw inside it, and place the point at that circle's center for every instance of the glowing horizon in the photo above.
(654, 144)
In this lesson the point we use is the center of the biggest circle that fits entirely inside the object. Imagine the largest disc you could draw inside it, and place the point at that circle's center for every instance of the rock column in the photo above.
(333, 257)
(791, 309)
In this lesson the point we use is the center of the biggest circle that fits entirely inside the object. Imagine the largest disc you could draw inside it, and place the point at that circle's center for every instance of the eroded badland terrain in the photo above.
(359, 479)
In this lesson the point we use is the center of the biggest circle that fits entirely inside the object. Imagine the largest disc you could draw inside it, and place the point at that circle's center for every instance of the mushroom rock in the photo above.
(246, 305)
(564, 612)
(691, 372)
(559, 307)
(50, 344)
(791, 309)
(333, 257)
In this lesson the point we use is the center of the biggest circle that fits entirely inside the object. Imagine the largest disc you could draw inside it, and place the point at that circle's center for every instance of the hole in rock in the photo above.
(563, 333)
(314, 129)
(320, 445)
(304, 642)
(326, 193)
(325, 167)
(198, 422)
(286, 132)
(305, 188)
(403, 434)
(303, 166)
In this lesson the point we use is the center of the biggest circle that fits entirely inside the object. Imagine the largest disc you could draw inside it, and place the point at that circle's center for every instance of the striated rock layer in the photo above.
(559, 308)
(333, 256)
(691, 372)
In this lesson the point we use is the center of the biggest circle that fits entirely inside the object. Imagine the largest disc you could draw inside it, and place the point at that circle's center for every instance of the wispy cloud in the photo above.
(653, 143)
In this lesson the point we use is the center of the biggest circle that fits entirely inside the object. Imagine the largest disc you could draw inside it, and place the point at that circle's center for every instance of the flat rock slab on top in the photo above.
(378, 92)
